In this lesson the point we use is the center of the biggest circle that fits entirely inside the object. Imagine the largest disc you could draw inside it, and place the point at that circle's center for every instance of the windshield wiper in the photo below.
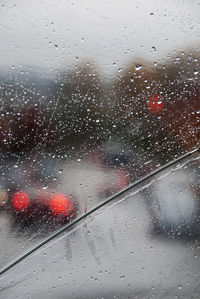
(66, 227)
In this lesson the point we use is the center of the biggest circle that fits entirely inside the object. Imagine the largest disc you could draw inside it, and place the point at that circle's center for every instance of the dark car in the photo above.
(41, 205)
(29, 194)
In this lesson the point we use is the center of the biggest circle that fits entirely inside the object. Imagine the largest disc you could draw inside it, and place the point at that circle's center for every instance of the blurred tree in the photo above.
(24, 120)
(182, 93)
(132, 88)
(158, 105)
(79, 104)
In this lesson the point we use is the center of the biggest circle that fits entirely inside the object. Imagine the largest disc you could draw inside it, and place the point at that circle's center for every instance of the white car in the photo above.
(173, 202)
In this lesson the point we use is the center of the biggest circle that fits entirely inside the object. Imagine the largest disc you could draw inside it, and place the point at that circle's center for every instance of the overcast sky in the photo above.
(54, 34)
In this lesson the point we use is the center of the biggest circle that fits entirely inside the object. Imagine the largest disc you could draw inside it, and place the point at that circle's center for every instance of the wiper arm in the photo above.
(66, 227)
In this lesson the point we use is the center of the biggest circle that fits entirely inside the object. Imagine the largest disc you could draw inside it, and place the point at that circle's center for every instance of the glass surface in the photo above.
(94, 95)
(142, 245)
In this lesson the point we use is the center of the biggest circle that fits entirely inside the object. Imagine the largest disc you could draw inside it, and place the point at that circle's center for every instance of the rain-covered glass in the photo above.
(94, 95)
(145, 244)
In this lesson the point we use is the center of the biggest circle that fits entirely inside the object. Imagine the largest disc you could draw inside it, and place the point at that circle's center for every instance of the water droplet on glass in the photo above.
(138, 67)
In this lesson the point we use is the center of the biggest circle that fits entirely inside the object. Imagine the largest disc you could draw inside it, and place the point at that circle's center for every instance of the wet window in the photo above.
(94, 97)
(144, 244)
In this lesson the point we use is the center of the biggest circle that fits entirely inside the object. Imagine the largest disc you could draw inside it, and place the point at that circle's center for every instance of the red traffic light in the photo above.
(156, 104)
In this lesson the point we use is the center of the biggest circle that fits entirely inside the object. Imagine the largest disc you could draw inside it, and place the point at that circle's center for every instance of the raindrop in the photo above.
(151, 14)
(138, 67)
(196, 72)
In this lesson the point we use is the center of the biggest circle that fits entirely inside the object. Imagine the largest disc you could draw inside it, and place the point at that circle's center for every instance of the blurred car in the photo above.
(28, 191)
(42, 205)
(173, 201)
(116, 154)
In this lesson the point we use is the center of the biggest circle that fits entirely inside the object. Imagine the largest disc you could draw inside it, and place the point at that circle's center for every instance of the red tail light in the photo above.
(20, 200)
(61, 204)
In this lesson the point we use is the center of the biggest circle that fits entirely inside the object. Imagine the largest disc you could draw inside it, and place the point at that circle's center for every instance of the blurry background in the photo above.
(75, 75)
(94, 95)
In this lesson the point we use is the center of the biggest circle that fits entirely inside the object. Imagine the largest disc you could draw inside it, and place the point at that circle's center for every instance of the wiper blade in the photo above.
(67, 226)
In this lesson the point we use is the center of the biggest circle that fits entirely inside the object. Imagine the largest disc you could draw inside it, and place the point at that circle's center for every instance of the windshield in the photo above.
(94, 97)
(142, 244)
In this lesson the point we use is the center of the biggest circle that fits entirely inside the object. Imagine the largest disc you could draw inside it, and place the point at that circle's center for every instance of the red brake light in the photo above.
(20, 200)
(60, 204)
